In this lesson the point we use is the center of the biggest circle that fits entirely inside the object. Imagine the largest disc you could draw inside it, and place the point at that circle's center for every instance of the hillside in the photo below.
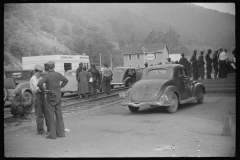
(42, 29)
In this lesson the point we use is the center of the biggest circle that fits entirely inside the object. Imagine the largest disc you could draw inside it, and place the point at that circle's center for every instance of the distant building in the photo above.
(134, 55)
(175, 56)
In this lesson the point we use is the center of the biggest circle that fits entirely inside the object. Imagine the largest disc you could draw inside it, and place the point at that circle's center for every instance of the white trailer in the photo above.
(175, 56)
(62, 62)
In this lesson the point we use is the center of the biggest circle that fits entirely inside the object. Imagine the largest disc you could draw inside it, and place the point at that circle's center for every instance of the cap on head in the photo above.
(50, 64)
(209, 51)
(92, 64)
(39, 67)
(182, 54)
(168, 58)
(80, 64)
(194, 51)
(201, 52)
(18, 91)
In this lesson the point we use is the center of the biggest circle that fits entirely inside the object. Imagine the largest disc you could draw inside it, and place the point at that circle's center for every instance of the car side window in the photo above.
(180, 72)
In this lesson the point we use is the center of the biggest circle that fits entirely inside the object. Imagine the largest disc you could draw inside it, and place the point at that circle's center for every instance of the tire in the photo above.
(174, 104)
(128, 83)
(5, 95)
(28, 95)
(200, 100)
(133, 109)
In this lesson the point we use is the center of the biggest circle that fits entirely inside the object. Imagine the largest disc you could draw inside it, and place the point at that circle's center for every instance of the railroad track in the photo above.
(73, 104)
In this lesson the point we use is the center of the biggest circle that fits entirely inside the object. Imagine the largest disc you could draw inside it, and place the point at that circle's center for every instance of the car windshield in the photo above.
(157, 73)
(118, 74)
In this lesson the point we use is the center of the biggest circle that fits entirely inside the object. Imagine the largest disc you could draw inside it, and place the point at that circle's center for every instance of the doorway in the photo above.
(67, 66)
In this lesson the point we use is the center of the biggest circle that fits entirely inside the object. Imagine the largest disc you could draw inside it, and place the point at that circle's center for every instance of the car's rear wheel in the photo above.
(174, 104)
(200, 100)
(28, 96)
(133, 109)
(5, 95)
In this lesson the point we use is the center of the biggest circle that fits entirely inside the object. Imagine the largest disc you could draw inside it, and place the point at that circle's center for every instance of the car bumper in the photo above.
(117, 83)
(144, 104)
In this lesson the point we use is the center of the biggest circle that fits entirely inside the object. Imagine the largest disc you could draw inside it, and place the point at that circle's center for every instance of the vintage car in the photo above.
(15, 79)
(163, 85)
(125, 76)
(72, 85)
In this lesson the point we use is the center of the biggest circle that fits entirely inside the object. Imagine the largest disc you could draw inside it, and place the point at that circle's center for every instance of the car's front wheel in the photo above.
(201, 94)
(28, 96)
(174, 104)
(133, 109)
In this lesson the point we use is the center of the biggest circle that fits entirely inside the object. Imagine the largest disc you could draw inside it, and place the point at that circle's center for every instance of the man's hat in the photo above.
(18, 92)
(50, 64)
(194, 51)
(39, 67)
(201, 52)
(80, 63)
(209, 51)
(93, 64)
(168, 58)
(182, 54)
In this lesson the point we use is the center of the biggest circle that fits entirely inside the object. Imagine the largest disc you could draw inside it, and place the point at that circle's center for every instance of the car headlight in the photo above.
(163, 99)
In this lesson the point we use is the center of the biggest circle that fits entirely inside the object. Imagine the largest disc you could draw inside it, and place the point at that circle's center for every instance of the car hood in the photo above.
(145, 90)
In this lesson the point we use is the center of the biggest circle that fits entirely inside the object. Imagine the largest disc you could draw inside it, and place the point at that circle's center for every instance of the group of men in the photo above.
(89, 81)
(46, 99)
(219, 62)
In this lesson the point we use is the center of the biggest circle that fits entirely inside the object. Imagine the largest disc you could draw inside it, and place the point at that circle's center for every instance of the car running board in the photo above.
(188, 100)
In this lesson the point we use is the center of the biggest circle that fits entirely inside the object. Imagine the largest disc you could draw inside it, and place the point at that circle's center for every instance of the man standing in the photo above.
(194, 65)
(83, 85)
(183, 61)
(222, 63)
(107, 77)
(53, 99)
(209, 64)
(38, 100)
(215, 63)
(201, 65)
(95, 75)
(79, 69)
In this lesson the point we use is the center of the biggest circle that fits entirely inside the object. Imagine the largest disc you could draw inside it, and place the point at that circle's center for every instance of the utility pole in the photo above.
(111, 59)
(100, 60)
(143, 48)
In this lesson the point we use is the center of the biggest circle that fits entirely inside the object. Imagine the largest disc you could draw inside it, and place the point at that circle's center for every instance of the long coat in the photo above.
(83, 82)
(183, 61)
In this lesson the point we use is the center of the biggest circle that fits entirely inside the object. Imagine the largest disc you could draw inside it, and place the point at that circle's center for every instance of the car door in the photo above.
(182, 84)
(187, 83)
(72, 82)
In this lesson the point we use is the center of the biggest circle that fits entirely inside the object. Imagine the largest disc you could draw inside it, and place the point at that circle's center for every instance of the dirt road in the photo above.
(113, 131)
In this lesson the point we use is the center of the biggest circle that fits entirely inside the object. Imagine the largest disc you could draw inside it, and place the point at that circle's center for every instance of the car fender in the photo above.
(197, 88)
(169, 90)
(125, 80)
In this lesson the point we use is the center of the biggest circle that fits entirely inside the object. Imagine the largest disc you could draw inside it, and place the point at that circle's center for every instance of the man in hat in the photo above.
(83, 85)
(209, 64)
(201, 65)
(146, 64)
(20, 107)
(95, 77)
(79, 69)
(39, 100)
(53, 99)
(169, 61)
(106, 79)
(215, 63)
(194, 62)
(222, 61)
(183, 61)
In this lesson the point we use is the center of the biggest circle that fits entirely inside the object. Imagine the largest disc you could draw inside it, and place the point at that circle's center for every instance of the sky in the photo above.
(221, 7)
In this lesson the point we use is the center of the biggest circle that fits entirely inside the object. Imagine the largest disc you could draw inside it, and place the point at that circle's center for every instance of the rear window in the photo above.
(157, 73)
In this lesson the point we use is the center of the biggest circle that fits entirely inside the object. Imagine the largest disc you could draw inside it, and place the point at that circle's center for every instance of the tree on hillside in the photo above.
(77, 30)
(46, 23)
(151, 38)
(172, 39)
(65, 29)
(160, 37)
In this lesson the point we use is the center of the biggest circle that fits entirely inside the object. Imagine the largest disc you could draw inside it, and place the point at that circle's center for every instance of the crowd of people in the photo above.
(89, 81)
(219, 64)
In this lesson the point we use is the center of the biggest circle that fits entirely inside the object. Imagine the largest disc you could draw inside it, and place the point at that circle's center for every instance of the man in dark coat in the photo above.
(215, 63)
(53, 99)
(194, 65)
(209, 64)
(95, 76)
(83, 85)
(183, 61)
(79, 69)
(201, 65)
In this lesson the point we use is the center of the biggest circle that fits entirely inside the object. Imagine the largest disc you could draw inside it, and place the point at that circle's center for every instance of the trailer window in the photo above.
(67, 66)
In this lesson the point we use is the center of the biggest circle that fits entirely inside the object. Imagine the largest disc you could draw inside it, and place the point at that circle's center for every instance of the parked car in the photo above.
(72, 84)
(15, 79)
(125, 76)
(163, 85)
